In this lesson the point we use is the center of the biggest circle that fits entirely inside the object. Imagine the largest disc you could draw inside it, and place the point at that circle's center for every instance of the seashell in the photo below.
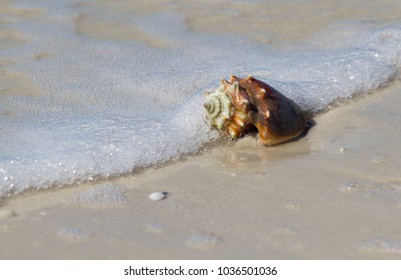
(156, 196)
(240, 104)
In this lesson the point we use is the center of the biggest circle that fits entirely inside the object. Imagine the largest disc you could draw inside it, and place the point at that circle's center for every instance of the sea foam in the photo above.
(108, 107)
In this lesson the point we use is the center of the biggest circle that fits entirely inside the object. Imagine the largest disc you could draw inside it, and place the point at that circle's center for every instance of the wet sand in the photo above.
(333, 194)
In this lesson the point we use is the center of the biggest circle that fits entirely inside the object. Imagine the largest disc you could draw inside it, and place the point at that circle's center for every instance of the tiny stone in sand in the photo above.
(156, 196)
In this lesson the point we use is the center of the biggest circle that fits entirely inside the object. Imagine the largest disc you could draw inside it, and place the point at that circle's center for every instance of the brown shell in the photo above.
(255, 103)
(277, 118)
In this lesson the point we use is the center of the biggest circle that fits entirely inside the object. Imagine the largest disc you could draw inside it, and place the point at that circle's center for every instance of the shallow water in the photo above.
(92, 89)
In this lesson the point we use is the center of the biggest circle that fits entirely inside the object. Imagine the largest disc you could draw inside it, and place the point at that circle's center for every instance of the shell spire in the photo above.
(219, 106)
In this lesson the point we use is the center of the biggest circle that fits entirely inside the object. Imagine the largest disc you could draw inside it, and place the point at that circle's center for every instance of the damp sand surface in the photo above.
(333, 194)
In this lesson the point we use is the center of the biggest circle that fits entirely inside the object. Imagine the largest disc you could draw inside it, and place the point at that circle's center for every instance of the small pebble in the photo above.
(342, 150)
(156, 196)
(6, 213)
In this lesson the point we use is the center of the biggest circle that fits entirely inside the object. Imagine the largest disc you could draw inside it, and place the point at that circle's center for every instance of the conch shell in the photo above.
(240, 104)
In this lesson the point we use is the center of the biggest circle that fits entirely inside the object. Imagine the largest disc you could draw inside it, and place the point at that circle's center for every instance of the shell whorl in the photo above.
(218, 108)
(213, 106)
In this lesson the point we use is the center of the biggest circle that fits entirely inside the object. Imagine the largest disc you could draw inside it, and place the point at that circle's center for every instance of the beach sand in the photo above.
(333, 194)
